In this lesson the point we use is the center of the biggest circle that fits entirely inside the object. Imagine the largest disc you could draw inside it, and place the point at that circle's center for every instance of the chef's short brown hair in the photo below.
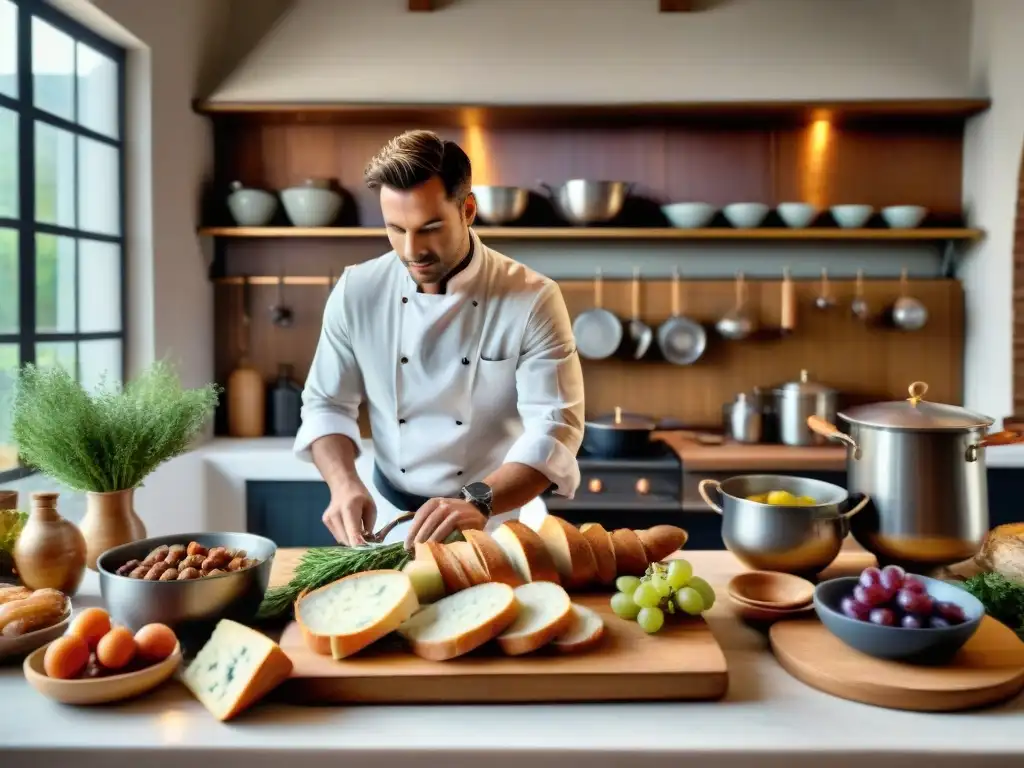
(414, 157)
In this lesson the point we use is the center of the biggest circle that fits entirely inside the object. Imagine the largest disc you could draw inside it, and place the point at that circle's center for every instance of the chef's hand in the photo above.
(351, 515)
(436, 520)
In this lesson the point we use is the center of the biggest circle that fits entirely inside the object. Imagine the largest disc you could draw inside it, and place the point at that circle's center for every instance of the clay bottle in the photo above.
(50, 552)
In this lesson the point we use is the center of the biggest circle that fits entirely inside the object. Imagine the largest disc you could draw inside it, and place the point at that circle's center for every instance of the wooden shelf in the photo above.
(755, 113)
(624, 233)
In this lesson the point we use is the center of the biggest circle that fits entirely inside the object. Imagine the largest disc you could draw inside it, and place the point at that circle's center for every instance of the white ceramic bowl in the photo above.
(851, 216)
(251, 207)
(904, 216)
(796, 215)
(745, 215)
(689, 215)
(311, 207)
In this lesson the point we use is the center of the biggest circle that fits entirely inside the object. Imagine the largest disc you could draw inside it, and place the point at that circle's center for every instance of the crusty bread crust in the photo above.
(630, 558)
(569, 551)
(472, 638)
(493, 557)
(661, 541)
(471, 565)
(542, 567)
(455, 579)
(600, 542)
(574, 642)
(526, 642)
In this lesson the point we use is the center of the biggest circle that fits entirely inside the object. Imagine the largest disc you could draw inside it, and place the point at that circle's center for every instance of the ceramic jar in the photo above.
(50, 552)
(109, 521)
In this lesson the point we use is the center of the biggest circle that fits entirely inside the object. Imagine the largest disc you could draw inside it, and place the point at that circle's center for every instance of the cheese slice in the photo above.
(493, 557)
(584, 633)
(526, 551)
(545, 612)
(600, 542)
(570, 551)
(237, 667)
(461, 622)
(355, 611)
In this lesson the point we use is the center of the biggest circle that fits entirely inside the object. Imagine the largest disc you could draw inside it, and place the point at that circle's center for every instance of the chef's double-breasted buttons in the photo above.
(401, 421)
(404, 360)
(465, 361)
(458, 423)
(405, 299)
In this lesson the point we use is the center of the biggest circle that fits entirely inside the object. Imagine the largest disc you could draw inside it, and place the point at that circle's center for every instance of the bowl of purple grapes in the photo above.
(891, 614)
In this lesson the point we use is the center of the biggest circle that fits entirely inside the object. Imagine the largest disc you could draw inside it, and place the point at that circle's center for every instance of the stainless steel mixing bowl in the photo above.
(135, 602)
(589, 202)
(500, 205)
(773, 537)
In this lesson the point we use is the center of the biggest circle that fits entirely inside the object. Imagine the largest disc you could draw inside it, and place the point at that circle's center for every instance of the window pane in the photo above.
(53, 353)
(97, 91)
(9, 305)
(55, 176)
(8, 368)
(99, 198)
(55, 284)
(100, 361)
(53, 70)
(8, 48)
(8, 158)
(99, 287)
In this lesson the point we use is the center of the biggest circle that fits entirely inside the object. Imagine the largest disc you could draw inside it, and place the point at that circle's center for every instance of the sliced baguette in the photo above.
(526, 551)
(455, 579)
(470, 563)
(570, 552)
(584, 633)
(349, 614)
(661, 541)
(545, 612)
(461, 622)
(600, 542)
(630, 558)
(493, 557)
(426, 580)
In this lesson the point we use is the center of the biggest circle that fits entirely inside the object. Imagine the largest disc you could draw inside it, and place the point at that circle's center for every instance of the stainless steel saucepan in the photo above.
(582, 201)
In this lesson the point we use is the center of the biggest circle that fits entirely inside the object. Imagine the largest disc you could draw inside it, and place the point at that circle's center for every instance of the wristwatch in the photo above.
(480, 496)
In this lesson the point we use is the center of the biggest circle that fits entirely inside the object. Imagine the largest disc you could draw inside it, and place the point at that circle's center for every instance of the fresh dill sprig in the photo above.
(1003, 598)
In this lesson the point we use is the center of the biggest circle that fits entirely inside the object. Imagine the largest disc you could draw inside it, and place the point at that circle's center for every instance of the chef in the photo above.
(465, 360)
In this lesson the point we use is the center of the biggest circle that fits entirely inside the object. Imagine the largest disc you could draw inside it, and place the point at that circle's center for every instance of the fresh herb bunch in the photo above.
(1003, 598)
(319, 567)
(109, 440)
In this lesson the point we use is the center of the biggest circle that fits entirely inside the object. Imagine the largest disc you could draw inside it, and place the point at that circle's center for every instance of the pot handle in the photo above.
(829, 430)
(993, 440)
(702, 489)
(856, 507)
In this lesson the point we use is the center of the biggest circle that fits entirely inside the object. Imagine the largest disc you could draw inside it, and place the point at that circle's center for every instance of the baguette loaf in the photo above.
(600, 542)
(526, 551)
(461, 622)
(471, 565)
(630, 558)
(493, 557)
(661, 541)
(426, 580)
(545, 612)
(586, 631)
(570, 552)
(349, 614)
(455, 579)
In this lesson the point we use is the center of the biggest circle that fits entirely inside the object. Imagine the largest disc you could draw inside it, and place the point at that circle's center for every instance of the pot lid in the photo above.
(916, 413)
(805, 386)
(620, 420)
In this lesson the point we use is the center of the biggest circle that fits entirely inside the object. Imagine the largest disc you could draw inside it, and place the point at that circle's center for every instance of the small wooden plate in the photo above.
(18, 646)
(771, 589)
(760, 613)
(99, 690)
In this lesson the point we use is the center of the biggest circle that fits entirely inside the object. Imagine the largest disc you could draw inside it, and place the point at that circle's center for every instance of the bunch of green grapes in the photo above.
(663, 589)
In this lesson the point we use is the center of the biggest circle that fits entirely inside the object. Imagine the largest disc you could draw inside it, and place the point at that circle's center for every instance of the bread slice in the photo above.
(661, 541)
(630, 558)
(471, 565)
(455, 579)
(586, 631)
(461, 622)
(600, 542)
(493, 557)
(545, 612)
(426, 580)
(526, 551)
(355, 611)
(570, 552)
(236, 667)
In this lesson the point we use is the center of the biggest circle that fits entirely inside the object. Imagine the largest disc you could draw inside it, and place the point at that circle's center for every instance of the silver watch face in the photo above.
(478, 492)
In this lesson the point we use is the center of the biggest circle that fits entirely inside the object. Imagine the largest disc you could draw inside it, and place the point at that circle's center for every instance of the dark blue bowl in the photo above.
(921, 646)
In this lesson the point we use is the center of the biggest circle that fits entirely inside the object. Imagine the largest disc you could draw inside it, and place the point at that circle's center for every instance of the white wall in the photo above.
(992, 157)
(608, 50)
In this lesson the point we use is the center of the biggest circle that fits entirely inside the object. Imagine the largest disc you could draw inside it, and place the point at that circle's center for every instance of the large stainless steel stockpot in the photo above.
(923, 465)
(797, 400)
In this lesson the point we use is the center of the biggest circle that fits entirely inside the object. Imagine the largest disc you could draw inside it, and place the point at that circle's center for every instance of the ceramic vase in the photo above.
(109, 521)
(51, 551)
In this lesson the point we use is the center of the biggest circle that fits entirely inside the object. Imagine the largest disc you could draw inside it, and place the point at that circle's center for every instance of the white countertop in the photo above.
(767, 719)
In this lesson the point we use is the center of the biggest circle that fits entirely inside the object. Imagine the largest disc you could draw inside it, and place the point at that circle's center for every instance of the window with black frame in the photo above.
(62, 292)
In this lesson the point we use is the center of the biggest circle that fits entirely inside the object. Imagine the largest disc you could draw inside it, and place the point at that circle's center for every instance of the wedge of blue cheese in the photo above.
(237, 667)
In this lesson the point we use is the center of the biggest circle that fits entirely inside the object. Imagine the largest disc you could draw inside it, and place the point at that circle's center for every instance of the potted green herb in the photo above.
(107, 442)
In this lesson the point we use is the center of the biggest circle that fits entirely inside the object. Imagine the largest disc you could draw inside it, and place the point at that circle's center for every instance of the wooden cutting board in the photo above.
(682, 661)
(987, 670)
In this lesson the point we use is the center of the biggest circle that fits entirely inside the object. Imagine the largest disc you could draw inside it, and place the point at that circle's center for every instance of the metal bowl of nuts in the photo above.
(188, 578)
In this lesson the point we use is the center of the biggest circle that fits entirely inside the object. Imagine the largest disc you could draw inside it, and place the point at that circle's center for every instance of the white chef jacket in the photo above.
(457, 383)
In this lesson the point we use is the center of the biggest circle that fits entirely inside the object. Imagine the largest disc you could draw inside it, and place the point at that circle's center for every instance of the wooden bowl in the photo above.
(749, 612)
(18, 646)
(99, 690)
(771, 589)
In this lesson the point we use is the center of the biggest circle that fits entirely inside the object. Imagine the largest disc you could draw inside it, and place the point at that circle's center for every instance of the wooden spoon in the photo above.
(771, 589)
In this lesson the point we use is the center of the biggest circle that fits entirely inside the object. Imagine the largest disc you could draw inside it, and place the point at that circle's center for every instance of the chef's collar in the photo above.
(461, 272)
